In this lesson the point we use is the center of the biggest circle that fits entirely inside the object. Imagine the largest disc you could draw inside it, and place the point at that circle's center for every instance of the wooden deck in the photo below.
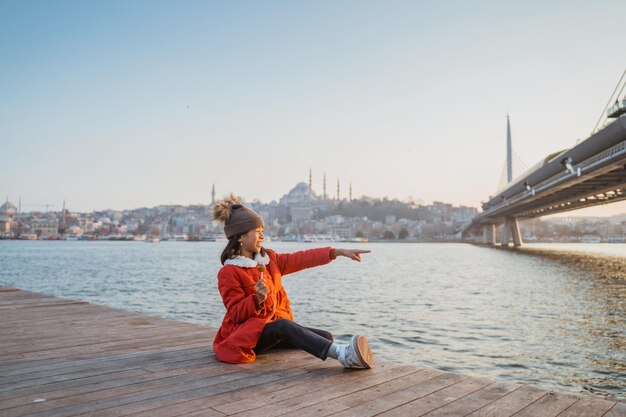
(64, 358)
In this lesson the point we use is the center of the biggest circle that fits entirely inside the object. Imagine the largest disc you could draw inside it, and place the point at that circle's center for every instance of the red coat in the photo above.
(244, 321)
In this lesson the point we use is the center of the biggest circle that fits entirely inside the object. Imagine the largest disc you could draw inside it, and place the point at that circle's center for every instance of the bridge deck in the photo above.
(63, 358)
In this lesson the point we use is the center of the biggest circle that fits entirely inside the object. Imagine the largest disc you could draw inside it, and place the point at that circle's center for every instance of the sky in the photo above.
(117, 104)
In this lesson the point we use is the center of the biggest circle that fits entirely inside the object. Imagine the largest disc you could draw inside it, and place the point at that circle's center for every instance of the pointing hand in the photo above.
(354, 254)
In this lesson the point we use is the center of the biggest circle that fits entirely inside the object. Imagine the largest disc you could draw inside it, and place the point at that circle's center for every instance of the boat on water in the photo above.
(591, 239)
(215, 237)
(319, 238)
(356, 240)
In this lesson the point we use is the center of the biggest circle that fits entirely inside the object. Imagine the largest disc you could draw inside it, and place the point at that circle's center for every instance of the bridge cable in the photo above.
(603, 114)
(519, 168)
(502, 183)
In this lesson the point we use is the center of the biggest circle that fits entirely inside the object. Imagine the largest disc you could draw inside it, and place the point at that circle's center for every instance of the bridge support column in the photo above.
(517, 236)
(489, 234)
(506, 233)
(511, 231)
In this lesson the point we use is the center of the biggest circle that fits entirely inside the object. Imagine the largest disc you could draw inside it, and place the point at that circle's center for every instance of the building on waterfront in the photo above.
(73, 231)
(5, 226)
(45, 227)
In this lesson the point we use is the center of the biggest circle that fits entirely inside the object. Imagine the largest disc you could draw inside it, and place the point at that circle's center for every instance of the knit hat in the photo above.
(236, 218)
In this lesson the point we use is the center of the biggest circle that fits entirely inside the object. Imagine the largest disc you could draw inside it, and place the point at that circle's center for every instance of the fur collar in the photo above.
(244, 262)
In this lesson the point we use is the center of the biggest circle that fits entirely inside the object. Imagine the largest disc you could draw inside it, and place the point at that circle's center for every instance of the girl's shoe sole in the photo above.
(362, 349)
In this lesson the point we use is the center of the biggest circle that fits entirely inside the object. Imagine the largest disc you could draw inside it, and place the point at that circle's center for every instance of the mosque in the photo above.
(8, 220)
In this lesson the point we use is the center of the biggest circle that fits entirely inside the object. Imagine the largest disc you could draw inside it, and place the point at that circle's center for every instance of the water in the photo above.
(455, 307)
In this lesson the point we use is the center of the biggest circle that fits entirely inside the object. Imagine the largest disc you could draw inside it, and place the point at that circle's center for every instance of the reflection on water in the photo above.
(455, 307)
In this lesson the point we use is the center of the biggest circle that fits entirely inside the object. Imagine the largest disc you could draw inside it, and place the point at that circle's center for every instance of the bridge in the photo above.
(591, 173)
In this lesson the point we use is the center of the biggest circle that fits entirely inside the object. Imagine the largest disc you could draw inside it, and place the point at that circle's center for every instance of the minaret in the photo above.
(19, 214)
(509, 152)
(338, 189)
(63, 215)
(213, 195)
(325, 186)
(350, 194)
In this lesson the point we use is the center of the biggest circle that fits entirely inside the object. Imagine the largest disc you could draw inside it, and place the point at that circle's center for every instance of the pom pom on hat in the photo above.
(224, 208)
(236, 218)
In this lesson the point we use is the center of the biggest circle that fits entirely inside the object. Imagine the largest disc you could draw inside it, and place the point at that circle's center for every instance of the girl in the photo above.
(258, 313)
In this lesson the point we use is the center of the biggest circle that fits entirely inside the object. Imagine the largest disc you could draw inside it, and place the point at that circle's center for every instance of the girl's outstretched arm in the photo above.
(354, 254)
(292, 262)
(288, 263)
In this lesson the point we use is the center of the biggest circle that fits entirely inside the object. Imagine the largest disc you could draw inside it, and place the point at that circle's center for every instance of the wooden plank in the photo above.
(202, 413)
(45, 368)
(474, 401)
(404, 396)
(37, 391)
(510, 403)
(198, 401)
(124, 341)
(550, 405)
(128, 404)
(104, 346)
(34, 303)
(340, 382)
(439, 398)
(51, 391)
(587, 406)
(65, 404)
(88, 315)
(308, 394)
(86, 387)
(388, 387)
(148, 363)
(22, 367)
(618, 410)
(111, 398)
(354, 399)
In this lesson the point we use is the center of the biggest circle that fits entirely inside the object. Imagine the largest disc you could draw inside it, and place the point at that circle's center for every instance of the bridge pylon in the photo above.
(511, 232)
(489, 234)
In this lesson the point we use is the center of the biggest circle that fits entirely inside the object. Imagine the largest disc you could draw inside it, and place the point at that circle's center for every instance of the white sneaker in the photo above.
(357, 354)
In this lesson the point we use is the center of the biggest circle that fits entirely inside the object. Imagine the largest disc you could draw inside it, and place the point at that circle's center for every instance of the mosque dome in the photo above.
(298, 195)
(8, 207)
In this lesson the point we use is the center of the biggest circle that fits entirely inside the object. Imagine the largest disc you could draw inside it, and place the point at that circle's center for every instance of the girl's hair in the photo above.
(233, 249)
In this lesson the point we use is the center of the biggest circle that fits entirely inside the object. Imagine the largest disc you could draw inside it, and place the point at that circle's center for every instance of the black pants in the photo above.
(285, 333)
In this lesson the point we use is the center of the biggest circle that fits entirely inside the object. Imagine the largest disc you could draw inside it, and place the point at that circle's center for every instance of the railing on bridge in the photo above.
(616, 109)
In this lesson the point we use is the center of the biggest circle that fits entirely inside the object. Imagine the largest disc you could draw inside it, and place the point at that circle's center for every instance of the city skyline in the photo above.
(117, 105)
